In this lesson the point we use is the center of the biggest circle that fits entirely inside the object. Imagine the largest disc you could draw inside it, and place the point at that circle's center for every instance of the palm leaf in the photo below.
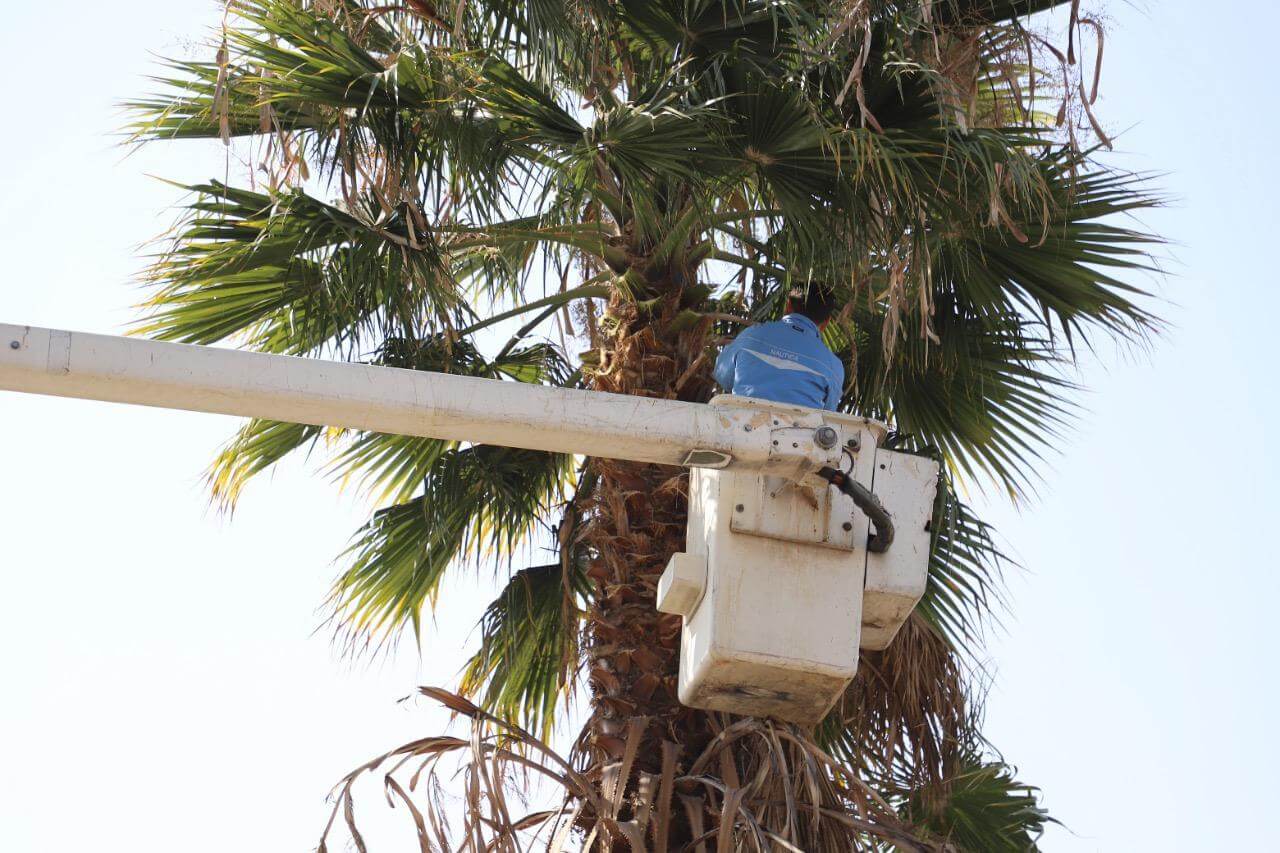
(990, 397)
(965, 587)
(255, 447)
(474, 500)
(981, 807)
(290, 274)
(907, 711)
(529, 646)
(392, 467)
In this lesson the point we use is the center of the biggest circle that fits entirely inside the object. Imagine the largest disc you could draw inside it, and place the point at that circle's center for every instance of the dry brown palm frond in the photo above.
(489, 759)
(983, 73)
(907, 707)
(758, 785)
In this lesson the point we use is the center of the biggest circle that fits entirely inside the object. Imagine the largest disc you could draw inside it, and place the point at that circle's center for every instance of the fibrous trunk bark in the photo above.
(637, 520)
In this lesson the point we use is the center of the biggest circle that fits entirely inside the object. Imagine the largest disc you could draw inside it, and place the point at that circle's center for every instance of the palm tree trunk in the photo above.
(638, 519)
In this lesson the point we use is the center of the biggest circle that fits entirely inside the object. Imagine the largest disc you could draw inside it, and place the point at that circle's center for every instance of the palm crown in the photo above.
(646, 177)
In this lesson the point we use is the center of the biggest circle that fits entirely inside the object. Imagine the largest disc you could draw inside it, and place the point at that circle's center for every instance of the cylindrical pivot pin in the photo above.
(826, 437)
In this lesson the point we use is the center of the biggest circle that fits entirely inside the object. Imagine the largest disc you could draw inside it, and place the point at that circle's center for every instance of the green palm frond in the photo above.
(791, 152)
(980, 808)
(498, 260)
(660, 31)
(547, 35)
(663, 136)
(965, 586)
(529, 645)
(387, 467)
(197, 104)
(255, 447)
(392, 467)
(532, 109)
(475, 500)
(1062, 267)
(990, 396)
(304, 66)
(439, 123)
(287, 273)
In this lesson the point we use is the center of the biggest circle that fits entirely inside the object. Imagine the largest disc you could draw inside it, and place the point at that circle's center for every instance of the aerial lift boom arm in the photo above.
(783, 578)
(378, 399)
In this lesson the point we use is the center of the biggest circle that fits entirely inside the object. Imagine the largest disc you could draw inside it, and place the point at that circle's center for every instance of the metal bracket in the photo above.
(699, 458)
(787, 501)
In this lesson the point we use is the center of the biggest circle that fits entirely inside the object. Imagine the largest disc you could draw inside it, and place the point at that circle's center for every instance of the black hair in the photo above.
(813, 302)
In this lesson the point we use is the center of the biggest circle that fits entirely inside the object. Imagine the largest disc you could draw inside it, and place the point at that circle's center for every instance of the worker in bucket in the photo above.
(785, 360)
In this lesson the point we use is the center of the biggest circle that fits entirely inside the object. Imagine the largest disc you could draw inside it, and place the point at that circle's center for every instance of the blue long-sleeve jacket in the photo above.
(784, 361)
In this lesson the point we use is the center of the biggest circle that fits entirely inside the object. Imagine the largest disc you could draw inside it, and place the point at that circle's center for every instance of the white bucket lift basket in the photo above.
(777, 587)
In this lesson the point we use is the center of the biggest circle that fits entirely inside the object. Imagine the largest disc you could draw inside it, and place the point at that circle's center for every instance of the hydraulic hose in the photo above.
(879, 541)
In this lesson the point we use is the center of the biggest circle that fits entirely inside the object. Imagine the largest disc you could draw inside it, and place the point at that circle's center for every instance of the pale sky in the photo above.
(162, 685)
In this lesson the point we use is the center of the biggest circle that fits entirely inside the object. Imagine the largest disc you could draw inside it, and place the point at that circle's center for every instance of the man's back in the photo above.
(784, 361)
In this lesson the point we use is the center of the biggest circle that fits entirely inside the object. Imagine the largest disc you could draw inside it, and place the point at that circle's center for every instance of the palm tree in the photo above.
(597, 193)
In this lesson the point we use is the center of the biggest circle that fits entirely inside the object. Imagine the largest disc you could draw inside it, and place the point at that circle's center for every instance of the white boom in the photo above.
(780, 583)
(379, 399)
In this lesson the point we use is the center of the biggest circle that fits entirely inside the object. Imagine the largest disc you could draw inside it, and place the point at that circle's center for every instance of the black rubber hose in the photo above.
(879, 541)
